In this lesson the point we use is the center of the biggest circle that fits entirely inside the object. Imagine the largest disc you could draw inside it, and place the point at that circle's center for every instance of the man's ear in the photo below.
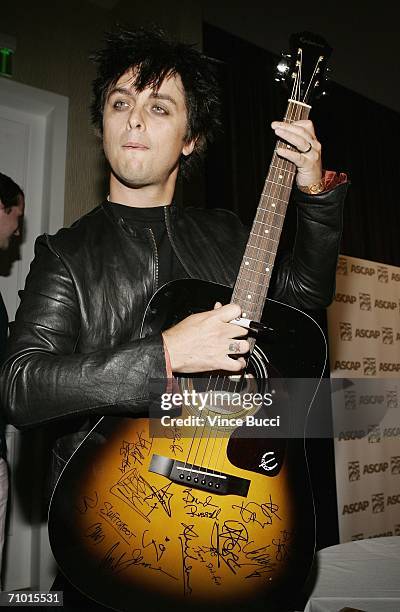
(188, 147)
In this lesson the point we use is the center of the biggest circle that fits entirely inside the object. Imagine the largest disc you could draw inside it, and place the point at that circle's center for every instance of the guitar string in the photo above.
(261, 297)
(274, 191)
(285, 169)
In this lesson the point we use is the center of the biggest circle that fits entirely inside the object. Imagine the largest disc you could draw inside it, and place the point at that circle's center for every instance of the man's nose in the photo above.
(136, 118)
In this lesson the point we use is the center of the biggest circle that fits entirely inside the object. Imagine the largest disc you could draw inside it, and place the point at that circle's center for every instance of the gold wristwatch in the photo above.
(314, 188)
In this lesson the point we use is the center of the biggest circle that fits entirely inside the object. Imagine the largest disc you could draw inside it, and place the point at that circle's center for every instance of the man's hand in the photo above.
(203, 342)
(301, 135)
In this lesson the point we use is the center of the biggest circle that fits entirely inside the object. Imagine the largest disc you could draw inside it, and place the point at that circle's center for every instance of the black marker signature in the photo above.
(262, 514)
(282, 545)
(186, 538)
(175, 435)
(117, 562)
(227, 542)
(87, 502)
(209, 510)
(140, 495)
(159, 549)
(95, 533)
(134, 453)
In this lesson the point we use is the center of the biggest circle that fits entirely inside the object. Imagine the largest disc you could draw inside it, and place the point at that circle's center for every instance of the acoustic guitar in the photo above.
(206, 504)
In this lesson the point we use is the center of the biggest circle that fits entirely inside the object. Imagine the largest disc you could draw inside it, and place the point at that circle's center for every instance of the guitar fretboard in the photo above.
(254, 276)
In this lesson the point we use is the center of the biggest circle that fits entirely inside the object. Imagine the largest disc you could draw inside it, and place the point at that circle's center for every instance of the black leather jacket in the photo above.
(75, 348)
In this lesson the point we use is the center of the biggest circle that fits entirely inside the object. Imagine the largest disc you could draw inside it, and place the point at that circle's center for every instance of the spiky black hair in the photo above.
(154, 57)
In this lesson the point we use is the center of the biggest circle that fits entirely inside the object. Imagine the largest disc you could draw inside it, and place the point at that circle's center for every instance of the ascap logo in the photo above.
(350, 400)
(397, 529)
(387, 335)
(345, 331)
(395, 465)
(392, 500)
(383, 274)
(351, 434)
(367, 333)
(378, 503)
(371, 399)
(391, 398)
(342, 265)
(359, 506)
(369, 366)
(347, 365)
(365, 301)
(386, 366)
(386, 304)
(391, 432)
(374, 434)
(346, 298)
(357, 269)
(353, 470)
(375, 468)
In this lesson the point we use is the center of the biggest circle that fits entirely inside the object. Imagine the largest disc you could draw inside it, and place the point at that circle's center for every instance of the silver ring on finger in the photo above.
(308, 150)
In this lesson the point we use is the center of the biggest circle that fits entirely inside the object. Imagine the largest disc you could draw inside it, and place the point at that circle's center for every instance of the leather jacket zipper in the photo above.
(155, 266)
(173, 243)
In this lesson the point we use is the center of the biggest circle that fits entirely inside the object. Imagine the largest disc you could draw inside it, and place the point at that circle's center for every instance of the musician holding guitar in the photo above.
(81, 347)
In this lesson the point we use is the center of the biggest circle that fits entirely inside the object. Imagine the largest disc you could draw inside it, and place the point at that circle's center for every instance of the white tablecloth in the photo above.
(364, 575)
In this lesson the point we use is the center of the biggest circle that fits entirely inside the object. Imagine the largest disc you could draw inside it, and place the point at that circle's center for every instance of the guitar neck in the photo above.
(251, 287)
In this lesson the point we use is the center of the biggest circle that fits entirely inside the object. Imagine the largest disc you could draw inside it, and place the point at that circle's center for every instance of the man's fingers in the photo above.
(304, 128)
(238, 347)
(228, 312)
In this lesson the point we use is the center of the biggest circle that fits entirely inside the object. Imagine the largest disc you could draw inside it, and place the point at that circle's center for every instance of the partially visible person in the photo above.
(11, 211)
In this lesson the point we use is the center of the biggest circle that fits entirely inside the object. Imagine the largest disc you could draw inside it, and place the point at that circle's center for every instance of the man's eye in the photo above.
(119, 104)
(160, 110)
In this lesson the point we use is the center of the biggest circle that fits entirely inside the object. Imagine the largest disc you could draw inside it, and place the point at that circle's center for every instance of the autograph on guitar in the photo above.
(213, 511)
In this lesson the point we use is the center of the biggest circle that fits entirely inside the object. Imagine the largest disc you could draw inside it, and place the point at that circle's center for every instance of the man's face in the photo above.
(10, 222)
(144, 132)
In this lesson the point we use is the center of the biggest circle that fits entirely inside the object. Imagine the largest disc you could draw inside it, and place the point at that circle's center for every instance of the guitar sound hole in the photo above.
(224, 393)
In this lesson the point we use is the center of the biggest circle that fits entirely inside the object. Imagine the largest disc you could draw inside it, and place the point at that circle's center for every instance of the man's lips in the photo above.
(135, 145)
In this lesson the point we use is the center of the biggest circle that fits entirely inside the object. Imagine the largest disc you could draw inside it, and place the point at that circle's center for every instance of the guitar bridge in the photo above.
(199, 477)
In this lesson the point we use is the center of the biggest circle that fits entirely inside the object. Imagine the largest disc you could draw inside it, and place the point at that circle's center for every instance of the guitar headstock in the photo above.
(304, 69)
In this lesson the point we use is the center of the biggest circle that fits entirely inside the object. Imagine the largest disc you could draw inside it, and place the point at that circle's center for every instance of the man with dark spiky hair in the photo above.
(76, 350)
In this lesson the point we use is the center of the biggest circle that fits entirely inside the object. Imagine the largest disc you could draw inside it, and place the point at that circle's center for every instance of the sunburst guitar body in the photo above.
(209, 516)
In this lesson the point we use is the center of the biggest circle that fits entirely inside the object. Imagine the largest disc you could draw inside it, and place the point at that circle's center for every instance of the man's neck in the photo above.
(146, 196)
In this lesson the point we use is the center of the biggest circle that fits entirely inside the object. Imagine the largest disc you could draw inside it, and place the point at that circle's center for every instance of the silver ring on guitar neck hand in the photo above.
(308, 150)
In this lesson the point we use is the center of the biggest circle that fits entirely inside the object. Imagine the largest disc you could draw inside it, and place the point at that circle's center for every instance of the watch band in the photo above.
(314, 188)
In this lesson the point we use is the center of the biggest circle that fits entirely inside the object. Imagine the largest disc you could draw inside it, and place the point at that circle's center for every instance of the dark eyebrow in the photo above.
(127, 92)
(159, 96)
(121, 90)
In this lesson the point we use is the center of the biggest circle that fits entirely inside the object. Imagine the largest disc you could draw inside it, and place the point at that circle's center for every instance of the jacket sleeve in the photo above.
(43, 378)
(305, 278)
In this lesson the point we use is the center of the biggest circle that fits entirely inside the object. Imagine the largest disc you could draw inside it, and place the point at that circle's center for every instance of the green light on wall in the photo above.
(6, 57)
